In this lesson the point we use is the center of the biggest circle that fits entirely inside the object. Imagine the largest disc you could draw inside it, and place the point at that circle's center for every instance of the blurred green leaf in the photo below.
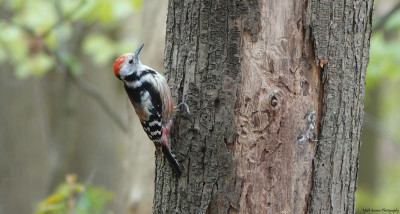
(393, 22)
(74, 196)
(85, 11)
(14, 40)
(94, 200)
(52, 208)
(37, 65)
(30, 54)
(100, 47)
(126, 46)
(15, 5)
(72, 63)
(29, 16)
(384, 62)
(388, 179)
(104, 11)
(41, 63)
(137, 4)
(122, 9)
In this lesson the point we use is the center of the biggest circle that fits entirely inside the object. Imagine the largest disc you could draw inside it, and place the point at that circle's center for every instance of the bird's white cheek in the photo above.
(125, 71)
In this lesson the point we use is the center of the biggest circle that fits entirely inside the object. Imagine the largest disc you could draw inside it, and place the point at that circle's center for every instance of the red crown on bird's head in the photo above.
(118, 63)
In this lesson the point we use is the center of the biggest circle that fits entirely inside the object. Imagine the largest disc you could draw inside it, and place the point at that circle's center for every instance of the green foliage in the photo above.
(72, 197)
(72, 63)
(383, 75)
(384, 62)
(95, 200)
(37, 33)
(100, 47)
(386, 196)
(394, 22)
(383, 79)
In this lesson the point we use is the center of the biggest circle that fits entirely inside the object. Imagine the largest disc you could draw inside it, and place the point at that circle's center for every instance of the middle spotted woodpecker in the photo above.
(151, 98)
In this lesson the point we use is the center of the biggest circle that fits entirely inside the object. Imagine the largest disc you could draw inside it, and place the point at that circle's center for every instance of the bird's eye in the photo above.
(131, 61)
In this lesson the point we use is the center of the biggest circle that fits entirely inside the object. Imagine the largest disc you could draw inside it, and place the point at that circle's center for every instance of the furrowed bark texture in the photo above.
(202, 58)
(341, 30)
(256, 94)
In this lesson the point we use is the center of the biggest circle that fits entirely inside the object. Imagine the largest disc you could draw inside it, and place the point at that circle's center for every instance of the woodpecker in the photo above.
(151, 98)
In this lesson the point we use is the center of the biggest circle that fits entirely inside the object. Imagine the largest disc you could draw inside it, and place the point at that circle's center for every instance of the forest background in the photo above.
(68, 131)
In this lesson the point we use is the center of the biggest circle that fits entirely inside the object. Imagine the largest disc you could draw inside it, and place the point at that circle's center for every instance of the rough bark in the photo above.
(202, 58)
(266, 80)
(341, 30)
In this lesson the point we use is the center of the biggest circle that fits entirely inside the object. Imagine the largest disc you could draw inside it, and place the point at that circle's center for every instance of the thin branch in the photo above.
(92, 91)
(381, 22)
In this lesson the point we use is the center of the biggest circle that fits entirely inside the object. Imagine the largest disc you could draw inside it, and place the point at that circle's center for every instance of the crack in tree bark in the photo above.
(247, 157)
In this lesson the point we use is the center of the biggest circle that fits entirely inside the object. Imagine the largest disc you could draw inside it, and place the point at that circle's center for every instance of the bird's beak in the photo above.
(138, 51)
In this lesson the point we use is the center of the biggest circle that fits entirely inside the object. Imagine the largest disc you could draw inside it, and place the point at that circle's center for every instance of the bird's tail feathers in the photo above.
(171, 159)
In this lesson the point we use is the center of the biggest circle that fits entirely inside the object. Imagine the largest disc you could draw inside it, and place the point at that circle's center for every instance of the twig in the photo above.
(90, 90)
(381, 22)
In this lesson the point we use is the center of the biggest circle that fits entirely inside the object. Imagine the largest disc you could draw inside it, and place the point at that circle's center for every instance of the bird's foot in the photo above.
(183, 103)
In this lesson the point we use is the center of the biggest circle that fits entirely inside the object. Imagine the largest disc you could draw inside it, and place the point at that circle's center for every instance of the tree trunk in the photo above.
(342, 30)
(276, 94)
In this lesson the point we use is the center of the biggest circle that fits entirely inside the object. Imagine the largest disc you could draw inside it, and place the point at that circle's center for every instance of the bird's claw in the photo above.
(184, 103)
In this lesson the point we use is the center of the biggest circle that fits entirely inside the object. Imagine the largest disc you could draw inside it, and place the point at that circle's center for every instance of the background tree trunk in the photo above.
(266, 80)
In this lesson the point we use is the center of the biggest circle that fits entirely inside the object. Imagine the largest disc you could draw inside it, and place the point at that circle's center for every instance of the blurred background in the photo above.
(69, 134)
(64, 114)
(379, 172)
